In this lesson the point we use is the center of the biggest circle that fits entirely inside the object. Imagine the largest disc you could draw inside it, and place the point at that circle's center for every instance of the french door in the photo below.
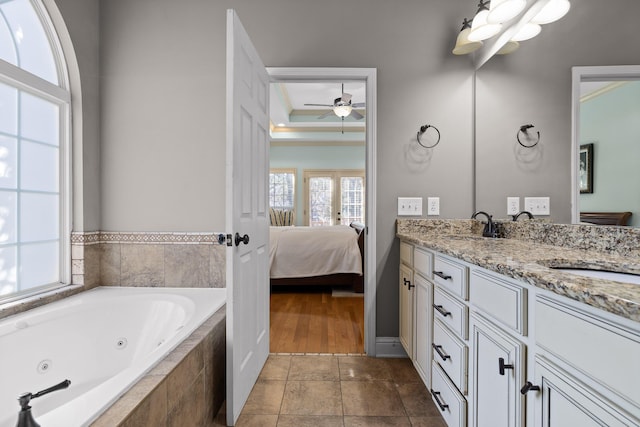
(334, 197)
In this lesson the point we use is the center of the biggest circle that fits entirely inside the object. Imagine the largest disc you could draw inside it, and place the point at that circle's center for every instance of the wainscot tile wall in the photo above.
(194, 260)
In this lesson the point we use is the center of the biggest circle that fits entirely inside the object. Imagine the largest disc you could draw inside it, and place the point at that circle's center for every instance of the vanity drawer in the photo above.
(450, 312)
(451, 354)
(451, 404)
(499, 299)
(451, 276)
(423, 262)
(406, 253)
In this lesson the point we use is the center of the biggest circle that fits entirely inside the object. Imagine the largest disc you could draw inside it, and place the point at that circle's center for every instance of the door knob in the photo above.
(244, 239)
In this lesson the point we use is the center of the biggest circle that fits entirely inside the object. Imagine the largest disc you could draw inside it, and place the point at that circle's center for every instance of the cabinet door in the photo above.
(564, 401)
(423, 327)
(497, 372)
(406, 309)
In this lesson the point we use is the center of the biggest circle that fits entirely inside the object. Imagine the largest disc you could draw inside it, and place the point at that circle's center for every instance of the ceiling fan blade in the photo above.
(346, 97)
(358, 105)
(327, 114)
(319, 105)
(356, 115)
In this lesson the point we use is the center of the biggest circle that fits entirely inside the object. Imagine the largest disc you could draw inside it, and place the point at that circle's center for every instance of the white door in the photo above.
(247, 215)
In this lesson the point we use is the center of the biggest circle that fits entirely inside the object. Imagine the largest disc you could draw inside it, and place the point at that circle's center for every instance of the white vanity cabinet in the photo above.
(507, 353)
(416, 313)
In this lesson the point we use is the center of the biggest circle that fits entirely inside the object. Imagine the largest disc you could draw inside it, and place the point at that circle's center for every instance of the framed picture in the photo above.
(586, 168)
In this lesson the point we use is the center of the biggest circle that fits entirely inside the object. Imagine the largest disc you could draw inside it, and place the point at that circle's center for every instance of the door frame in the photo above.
(368, 76)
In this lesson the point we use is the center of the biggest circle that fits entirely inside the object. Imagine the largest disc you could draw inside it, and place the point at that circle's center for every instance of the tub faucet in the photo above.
(490, 227)
(527, 213)
(25, 419)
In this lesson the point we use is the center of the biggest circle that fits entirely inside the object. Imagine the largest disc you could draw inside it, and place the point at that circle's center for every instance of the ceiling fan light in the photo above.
(342, 110)
(528, 31)
(503, 10)
(481, 29)
(552, 11)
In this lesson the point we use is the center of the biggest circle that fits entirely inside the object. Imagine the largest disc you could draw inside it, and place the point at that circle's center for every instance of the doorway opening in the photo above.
(322, 178)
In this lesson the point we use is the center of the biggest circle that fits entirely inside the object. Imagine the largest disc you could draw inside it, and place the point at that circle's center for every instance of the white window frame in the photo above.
(60, 95)
(292, 171)
(335, 175)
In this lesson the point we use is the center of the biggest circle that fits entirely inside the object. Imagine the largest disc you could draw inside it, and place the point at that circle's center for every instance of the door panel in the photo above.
(246, 211)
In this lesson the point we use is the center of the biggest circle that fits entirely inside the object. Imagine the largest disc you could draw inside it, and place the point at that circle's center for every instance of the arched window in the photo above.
(34, 152)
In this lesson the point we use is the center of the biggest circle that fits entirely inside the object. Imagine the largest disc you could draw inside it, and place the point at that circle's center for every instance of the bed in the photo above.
(329, 256)
(605, 218)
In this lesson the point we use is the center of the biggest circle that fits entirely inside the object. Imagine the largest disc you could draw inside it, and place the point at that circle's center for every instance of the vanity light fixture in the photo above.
(463, 44)
(504, 10)
(480, 28)
(552, 11)
(491, 16)
(528, 31)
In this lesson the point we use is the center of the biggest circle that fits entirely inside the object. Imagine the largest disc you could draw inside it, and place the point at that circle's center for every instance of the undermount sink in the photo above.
(601, 274)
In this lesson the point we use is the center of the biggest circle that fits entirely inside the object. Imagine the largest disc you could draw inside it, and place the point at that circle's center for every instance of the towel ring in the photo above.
(524, 129)
(422, 130)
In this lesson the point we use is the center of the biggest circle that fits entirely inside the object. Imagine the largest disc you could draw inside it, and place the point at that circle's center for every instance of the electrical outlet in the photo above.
(537, 205)
(433, 204)
(409, 206)
(513, 205)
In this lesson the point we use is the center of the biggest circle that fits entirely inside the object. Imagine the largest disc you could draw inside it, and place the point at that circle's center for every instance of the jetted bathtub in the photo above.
(102, 340)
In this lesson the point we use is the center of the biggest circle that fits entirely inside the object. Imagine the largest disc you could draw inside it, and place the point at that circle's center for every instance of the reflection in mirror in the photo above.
(606, 145)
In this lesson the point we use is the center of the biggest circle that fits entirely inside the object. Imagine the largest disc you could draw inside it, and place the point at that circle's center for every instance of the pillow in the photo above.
(281, 217)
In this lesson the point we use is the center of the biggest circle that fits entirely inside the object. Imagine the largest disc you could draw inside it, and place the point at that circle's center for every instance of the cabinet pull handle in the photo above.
(442, 275)
(443, 355)
(441, 310)
(502, 366)
(442, 405)
(528, 387)
(405, 281)
(408, 283)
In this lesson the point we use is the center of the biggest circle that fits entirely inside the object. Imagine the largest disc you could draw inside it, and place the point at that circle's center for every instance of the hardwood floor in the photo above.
(315, 322)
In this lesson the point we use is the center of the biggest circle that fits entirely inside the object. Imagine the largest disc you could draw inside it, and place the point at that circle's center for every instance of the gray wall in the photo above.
(163, 106)
(533, 85)
(81, 19)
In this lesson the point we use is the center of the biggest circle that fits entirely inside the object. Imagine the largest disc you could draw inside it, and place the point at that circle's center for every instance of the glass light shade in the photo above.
(342, 110)
(527, 32)
(503, 10)
(509, 47)
(552, 11)
(481, 29)
(464, 45)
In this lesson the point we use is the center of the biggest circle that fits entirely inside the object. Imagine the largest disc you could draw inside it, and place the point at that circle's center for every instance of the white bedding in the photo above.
(313, 251)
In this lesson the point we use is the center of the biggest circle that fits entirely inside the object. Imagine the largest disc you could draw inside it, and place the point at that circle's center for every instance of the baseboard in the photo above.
(389, 347)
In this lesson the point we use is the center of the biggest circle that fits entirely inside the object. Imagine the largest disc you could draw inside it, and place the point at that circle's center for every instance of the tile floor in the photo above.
(345, 391)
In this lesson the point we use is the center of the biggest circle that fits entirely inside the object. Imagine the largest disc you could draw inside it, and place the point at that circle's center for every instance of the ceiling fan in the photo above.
(341, 107)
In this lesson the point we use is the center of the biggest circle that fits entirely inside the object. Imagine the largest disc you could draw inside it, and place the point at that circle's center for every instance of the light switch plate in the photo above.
(433, 206)
(409, 206)
(537, 205)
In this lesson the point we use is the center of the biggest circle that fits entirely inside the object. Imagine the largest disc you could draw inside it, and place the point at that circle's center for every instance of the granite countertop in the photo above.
(530, 262)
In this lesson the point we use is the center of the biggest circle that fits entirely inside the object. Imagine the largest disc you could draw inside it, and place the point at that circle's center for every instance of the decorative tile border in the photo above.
(148, 238)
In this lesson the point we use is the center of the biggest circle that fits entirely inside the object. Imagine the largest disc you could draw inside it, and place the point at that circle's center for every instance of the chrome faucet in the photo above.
(490, 227)
(25, 419)
(527, 213)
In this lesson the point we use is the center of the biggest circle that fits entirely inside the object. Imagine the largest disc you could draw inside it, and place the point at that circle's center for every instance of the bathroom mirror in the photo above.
(605, 123)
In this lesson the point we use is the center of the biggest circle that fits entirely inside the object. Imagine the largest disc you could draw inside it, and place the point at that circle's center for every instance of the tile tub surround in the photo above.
(148, 259)
(524, 258)
(186, 388)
